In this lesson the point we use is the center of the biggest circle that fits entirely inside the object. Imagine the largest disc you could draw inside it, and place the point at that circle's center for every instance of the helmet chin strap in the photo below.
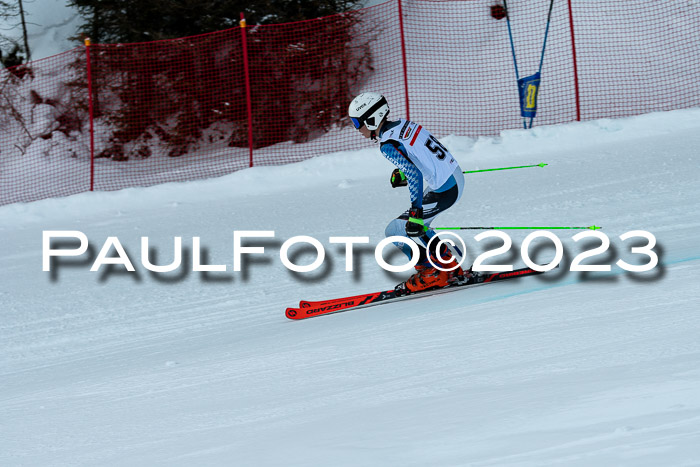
(373, 134)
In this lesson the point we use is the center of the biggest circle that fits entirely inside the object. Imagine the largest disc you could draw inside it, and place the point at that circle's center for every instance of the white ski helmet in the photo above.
(369, 109)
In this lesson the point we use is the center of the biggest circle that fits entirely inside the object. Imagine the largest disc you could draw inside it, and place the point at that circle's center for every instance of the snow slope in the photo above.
(183, 368)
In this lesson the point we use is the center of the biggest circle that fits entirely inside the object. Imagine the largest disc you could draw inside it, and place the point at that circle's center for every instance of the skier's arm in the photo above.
(413, 175)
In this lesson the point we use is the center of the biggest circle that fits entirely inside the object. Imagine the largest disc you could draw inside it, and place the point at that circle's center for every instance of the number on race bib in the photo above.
(435, 147)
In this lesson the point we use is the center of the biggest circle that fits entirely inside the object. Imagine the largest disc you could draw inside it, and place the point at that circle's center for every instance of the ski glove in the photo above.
(414, 225)
(398, 179)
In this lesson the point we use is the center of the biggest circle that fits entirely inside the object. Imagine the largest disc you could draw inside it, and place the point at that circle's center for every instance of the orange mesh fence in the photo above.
(111, 116)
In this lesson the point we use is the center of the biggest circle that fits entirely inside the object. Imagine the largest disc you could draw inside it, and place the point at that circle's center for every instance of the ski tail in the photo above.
(499, 276)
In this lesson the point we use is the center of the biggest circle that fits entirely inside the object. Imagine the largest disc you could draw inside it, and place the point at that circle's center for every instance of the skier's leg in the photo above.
(444, 268)
(440, 200)
(397, 227)
(434, 203)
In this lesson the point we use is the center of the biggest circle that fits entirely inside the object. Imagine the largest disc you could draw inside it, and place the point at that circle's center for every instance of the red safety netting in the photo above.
(636, 57)
(43, 122)
(110, 116)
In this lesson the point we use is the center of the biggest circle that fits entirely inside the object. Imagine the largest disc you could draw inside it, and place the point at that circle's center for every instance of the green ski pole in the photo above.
(592, 227)
(542, 164)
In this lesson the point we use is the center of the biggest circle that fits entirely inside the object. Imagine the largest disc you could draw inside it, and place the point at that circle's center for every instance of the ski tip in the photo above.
(292, 313)
(304, 304)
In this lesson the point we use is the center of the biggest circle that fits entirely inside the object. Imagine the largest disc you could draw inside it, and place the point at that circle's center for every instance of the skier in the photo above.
(419, 156)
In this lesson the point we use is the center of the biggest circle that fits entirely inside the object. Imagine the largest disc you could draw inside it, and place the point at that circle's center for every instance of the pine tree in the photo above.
(12, 52)
(173, 91)
(126, 21)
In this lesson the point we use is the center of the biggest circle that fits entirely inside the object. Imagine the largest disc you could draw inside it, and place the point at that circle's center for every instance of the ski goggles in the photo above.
(368, 115)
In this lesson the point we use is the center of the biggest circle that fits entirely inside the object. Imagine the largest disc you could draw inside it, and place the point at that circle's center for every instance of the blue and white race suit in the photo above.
(435, 179)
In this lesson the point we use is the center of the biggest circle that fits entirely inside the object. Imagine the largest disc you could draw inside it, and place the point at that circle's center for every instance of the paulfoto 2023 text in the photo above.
(123, 259)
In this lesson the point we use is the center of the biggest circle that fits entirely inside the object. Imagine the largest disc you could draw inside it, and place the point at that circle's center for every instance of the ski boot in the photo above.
(429, 277)
(401, 288)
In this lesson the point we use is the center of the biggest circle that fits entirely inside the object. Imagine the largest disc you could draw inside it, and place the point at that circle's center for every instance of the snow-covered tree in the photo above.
(13, 51)
(172, 92)
(125, 21)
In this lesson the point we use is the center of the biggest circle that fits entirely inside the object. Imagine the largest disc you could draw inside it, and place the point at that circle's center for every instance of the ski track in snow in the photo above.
(576, 369)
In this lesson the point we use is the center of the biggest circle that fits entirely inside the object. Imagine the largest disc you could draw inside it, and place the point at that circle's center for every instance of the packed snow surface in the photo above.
(193, 368)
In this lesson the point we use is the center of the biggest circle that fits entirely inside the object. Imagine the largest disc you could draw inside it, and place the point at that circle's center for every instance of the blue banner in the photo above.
(529, 88)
